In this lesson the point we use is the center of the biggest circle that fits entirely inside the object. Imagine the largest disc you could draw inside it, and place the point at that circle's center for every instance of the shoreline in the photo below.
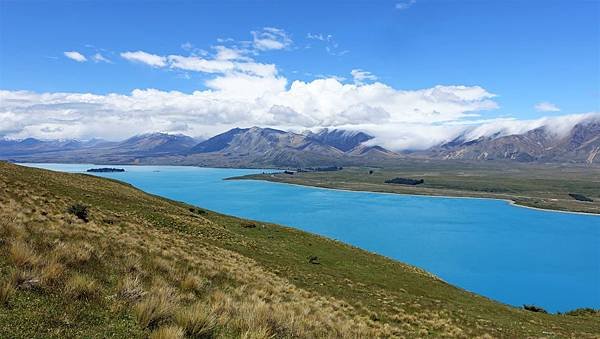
(508, 201)
(243, 177)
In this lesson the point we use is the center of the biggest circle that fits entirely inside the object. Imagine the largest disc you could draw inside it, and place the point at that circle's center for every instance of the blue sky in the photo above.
(524, 52)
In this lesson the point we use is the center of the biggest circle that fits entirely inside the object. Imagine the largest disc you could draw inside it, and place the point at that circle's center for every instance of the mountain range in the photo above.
(267, 147)
(580, 145)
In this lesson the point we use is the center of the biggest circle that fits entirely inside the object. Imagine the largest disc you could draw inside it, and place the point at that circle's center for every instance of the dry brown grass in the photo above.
(51, 272)
(22, 255)
(74, 254)
(168, 332)
(25, 278)
(81, 286)
(6, 292)
(197, 320)
(192, 283)
(130, 289)
(157, 306)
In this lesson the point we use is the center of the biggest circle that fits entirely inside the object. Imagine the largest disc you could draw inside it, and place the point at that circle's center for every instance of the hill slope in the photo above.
(141, 264)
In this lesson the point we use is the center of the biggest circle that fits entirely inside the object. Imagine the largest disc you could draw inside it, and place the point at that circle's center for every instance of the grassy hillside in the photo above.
(542, 186)
(136, 265)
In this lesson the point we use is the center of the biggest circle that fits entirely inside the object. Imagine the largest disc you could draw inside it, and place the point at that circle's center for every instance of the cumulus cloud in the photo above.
(145, 58)
(233, 99)
(361, 76)
(545, 106)
(271, 38)
(399, 119)
(73, 55)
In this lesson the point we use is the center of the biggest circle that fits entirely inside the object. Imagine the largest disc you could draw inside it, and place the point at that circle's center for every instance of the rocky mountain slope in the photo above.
(580, 145)
(270, 147)
(95, 150)
(238, 147)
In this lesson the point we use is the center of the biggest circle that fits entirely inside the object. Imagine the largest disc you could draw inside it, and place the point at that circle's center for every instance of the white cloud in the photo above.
(405, 4)
(232, 99)
(546, 107)
(361, 76)
(270, 38)
(399, 119)
(73, 55)
(100, 58)
(145, 58)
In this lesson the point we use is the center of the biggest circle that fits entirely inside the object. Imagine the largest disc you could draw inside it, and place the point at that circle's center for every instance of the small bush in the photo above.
(580, 197)
(197, 321)
(534, 308)
(6, 292)
(81, 287)
(167, 332)
(80, 211)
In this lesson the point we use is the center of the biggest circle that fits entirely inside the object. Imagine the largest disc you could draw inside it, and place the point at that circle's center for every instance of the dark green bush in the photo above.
(534, 308)
(80, 211)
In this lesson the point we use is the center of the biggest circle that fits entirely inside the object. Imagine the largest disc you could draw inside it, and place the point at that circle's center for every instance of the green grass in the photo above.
(542, 186)
(152, 260)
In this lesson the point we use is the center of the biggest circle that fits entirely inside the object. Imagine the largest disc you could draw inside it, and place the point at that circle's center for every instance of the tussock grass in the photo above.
(192, 283)
(22, 255)
(51, 273)
(81, 286)
(25, 278)
(197, 320)
(130, 289)
(6, 292)
(168, 332)
(156, 307)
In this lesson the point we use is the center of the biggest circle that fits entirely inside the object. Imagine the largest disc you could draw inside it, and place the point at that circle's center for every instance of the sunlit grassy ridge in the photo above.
(146, 266)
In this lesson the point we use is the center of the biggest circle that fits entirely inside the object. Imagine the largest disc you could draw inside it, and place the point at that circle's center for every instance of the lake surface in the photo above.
(511, 254)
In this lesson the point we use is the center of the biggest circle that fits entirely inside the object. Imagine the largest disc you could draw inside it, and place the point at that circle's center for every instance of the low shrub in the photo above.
(313, 259)
(534, 308)
(80, 211)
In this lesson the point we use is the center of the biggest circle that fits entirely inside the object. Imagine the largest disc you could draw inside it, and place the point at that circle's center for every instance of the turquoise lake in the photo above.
(511, 254)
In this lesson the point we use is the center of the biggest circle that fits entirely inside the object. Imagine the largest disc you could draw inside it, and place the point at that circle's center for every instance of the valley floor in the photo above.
(83, 256)
(545, 186)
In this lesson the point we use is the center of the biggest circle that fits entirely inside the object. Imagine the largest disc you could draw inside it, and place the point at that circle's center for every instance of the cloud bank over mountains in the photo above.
(242, 91)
